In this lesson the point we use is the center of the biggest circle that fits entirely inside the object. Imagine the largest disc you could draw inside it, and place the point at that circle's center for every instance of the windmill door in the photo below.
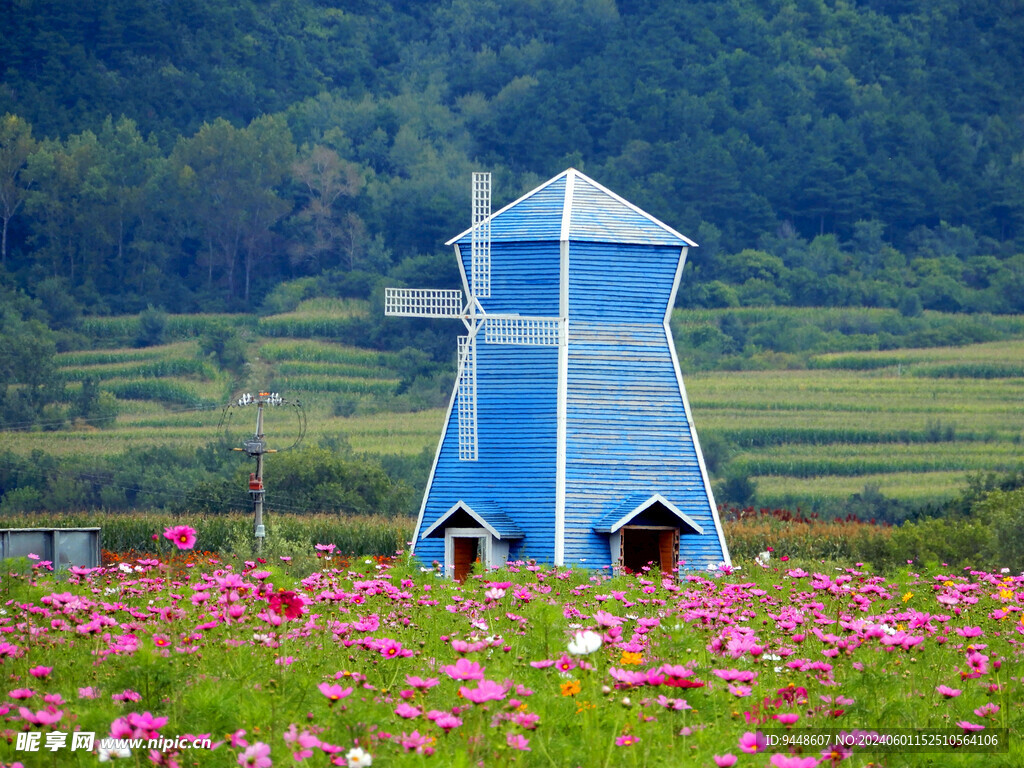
(466, 551)
(642, 546)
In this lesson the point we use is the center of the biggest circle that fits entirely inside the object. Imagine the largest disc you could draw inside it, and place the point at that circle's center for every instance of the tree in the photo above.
(16, 145)
(325, 230)
(230, 178)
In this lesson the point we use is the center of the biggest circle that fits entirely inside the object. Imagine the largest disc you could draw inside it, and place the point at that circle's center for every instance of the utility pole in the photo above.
(256, 447)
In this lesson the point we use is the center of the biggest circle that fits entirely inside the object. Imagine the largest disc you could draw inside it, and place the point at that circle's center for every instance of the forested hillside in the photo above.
(193, 155)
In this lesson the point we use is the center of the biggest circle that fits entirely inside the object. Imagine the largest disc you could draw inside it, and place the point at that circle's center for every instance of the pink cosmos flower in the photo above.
(968, 727)
(486, 690)
(183, 537)
(40, 672)
(334, 692)
(780, 760)
(986, 709)
(256, 756)
(89, 692)
(949, 693)
(464, 669)
(407, 710)
(447, 722)
(47, 716)
(22, 693)
(518, 741)
(626, 740)
(414, 742)
(565, 663)
(724, 761)
(752, 743)
(419, 682)
(787, 718)
(305, 741)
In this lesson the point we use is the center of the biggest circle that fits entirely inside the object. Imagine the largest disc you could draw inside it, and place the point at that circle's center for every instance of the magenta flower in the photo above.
(414, 742)
(47, 716)
(724, 761)
(949, 693)
(183, 537)
(752, 743)
(486, 690)
(968, 727)
(518, 741)
(22, 693)
(447, 722)
(787, 718)
(40, 672)
(464, 669)
(88, 692)
(304, 742)
(256, 756)
(780, 760)
(334, 692)
(419, 682)
(986, 709)
(626, 740)
(407, 710)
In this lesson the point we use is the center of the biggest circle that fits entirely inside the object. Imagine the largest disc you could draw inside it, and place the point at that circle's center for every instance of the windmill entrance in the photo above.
(466, 552)
(643, 545)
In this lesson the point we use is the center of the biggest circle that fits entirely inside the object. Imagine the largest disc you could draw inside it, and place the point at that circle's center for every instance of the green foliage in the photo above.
(806, 149)
(152, 327)
(224, 345)
(1002, 514)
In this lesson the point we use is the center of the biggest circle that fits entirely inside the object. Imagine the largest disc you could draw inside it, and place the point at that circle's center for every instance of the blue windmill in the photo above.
(568, 438)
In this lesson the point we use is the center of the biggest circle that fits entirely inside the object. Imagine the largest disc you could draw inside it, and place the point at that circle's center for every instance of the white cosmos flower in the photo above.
(357, 757)
(584, 642)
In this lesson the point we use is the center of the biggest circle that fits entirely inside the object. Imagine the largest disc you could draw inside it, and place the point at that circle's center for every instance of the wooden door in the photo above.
(464, 554)
(668, 543)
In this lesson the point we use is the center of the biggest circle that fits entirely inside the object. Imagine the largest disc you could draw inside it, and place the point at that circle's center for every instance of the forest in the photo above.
(192, 156)
(165, 161)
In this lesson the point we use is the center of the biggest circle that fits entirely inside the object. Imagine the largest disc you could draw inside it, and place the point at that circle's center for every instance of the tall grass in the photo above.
(321, 352)
(352, 535)
(157, 389)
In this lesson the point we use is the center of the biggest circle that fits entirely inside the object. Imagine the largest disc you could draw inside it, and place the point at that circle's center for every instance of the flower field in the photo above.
(377, 661)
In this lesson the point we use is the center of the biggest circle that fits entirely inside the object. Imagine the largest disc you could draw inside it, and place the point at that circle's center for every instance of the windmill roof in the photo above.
(572, 206)
(487, 514)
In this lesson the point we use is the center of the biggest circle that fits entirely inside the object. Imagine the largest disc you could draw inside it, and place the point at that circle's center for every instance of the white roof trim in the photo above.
(569, 175)
(656, 499)
(469, 511)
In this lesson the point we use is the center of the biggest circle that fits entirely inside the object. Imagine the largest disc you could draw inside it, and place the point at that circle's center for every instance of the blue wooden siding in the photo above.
(598, 216)
(524, 278)
(627, 433)
(516, 433)
(618, 283)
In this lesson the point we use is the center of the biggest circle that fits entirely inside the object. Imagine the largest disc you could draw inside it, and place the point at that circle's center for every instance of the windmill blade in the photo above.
(422, 302)
(466, 390)
(480, 238)
(523, 331)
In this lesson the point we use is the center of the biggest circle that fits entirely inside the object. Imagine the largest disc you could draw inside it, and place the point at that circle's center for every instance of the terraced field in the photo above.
(910, 423)
(896, 420)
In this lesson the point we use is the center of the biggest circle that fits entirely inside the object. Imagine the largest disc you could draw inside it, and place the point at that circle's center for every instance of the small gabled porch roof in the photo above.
(487, 515)
(635, 505)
